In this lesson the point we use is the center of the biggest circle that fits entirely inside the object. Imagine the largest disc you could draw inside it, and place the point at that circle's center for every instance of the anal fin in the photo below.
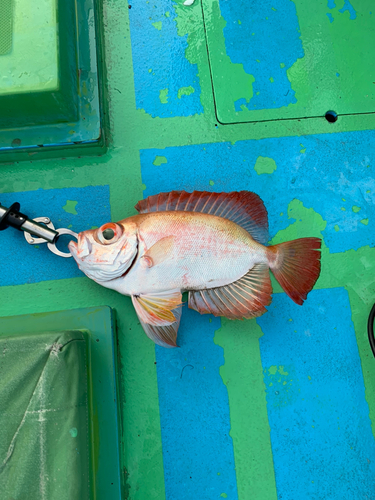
(244, 298)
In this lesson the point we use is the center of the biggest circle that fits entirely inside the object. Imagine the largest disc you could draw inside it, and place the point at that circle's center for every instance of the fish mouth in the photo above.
(82, 249)
(73, 248)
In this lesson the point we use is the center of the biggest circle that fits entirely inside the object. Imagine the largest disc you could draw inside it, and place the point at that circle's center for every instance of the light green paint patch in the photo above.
(211, 183)
(94, 227)
(150, 70)
(163, 96)
(273, 8)
(364, 221)
(224, 495)
(303, 149)
(167, 14)
(271, 79)
(158, 25)
(159, 160)
(282, 371)
(265, 165)
(247, 397)
(336, 228)
(343, 199)
(272, 370)
(185, 91)
(368, 191)
(70, 207)
(343, 209)
(239, 22)
(73, 432)
(257, 60)
(356, 209)
(282, 65)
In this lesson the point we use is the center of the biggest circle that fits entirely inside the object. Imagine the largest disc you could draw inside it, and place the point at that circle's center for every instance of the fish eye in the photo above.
(109, 233)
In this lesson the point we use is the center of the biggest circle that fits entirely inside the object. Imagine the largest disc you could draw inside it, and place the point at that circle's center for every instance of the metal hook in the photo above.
(51, 245)
(36, 231)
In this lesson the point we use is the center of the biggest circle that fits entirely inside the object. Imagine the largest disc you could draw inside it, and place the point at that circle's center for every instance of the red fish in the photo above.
(209, 244)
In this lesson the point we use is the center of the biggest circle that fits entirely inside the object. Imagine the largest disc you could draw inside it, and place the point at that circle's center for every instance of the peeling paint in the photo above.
(70, 207)
(265, 165)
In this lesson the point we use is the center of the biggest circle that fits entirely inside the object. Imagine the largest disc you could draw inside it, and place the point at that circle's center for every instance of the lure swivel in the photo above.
(36, 231)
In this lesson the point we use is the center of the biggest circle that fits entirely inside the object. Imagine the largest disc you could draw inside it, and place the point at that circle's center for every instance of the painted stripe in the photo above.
(321, 435)
(250, 429)
(275, 39)
(166, 83)
(75, 208)
(194, 414)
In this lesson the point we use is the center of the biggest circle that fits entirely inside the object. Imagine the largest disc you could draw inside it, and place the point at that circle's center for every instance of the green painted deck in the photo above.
(168, 122)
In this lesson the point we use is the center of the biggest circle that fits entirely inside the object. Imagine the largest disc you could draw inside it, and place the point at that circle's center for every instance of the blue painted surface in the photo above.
(194, 414)
(231, 167)
(159, 61)
(321, 435)
(346, 7)
(39, 264)
(349, 7)
(267, 37)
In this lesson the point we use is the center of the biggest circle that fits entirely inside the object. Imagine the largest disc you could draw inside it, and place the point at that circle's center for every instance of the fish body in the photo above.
(209, 244)
(200, 251)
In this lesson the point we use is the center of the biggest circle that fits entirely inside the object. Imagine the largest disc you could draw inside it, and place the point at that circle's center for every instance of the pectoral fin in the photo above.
(156, 309)
(157, 254)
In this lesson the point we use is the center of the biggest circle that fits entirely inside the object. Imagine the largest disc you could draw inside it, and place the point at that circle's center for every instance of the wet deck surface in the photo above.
(282, 407)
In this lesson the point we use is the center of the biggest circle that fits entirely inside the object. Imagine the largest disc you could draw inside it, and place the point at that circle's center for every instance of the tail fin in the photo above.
(296, 266)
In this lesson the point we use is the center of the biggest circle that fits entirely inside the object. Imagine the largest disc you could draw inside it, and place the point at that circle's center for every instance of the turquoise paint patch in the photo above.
(194, 414)
(334, 166)
(164, 51)
(330, 17)
(39, 264)
(276, 41)
(322, 442)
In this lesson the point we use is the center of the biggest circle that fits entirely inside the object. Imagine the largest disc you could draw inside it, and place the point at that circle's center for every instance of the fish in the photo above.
(211, 245)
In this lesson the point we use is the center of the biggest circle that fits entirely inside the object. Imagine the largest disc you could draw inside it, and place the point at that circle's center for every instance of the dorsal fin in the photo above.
(244, 208)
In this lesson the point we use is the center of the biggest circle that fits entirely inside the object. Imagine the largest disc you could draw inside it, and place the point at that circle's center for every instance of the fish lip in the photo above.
(81, 249)
(72, 245)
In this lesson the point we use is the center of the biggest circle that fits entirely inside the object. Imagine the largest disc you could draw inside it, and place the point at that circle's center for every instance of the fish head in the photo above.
(106, 253)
